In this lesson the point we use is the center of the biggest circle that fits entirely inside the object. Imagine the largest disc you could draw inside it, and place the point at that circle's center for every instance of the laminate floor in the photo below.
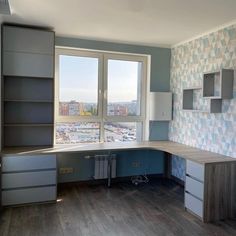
(155, 208)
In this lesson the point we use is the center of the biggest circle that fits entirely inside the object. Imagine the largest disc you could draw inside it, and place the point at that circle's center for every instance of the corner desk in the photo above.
(30, 175)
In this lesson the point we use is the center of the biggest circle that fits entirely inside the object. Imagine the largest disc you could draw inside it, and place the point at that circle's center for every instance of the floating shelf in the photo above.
(188, 98)
(218, 84)
(216, 87)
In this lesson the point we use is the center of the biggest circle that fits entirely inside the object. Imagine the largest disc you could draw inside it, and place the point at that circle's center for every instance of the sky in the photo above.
(78, 79)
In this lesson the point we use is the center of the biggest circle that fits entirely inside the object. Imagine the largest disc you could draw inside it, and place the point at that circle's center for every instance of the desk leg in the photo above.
(167, 167)
(109, 166)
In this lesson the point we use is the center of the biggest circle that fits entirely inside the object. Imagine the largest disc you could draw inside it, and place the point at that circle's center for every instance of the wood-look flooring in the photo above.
(155, 208)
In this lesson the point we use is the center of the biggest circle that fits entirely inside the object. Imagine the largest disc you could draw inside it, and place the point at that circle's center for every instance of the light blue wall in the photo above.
(150, 162)
(160, 58)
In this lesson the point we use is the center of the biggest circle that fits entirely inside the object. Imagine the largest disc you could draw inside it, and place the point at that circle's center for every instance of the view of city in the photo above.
(78, 96)
(74, 108)
(89, 132)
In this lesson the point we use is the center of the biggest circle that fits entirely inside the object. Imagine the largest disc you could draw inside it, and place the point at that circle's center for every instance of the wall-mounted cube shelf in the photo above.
(215, 106)
(188, 98)
(216, 87)
(218, 84)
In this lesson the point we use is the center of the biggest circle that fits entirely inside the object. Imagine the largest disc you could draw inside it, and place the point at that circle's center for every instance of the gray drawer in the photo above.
(30, 65)
(29, 195)
(194, 187)
(21, 39)
(28, 179)
(194, 205)
(27, 163)
(195, 170)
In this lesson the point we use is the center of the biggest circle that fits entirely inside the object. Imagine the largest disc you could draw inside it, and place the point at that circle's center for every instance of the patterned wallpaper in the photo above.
(212, 132)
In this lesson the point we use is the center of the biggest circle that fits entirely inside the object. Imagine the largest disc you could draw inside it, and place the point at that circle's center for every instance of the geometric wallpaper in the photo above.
(178, 167)
(212, 132)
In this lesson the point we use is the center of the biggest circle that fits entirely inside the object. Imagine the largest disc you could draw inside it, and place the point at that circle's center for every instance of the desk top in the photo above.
(184, 151)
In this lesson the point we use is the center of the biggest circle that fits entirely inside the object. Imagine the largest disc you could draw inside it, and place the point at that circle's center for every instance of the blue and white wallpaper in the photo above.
(212, 132)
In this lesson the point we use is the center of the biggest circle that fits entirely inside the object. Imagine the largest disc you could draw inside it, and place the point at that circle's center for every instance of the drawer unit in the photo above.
(28, 195)
(28, 179)
(194, 205)
(28, 163)
(194, 187)
(195, 170)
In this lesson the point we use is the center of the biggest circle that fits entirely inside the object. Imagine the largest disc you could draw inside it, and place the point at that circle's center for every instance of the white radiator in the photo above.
(102, 164)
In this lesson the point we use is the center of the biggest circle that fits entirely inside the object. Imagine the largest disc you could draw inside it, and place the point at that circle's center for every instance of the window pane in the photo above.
(123, 131)
(78, 86)
(124, 88)
(79, 132)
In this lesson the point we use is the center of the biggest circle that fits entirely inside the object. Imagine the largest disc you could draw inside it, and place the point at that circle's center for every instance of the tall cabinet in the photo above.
(27, 86)
(27, 114)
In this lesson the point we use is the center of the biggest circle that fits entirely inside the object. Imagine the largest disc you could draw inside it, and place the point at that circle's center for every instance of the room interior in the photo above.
(118, 117)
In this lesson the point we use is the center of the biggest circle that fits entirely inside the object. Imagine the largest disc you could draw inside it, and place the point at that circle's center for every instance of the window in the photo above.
(99, 97)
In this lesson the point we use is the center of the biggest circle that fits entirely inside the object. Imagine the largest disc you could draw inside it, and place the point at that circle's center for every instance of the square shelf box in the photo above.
(188, 98)
(215, 105)
(218, 84)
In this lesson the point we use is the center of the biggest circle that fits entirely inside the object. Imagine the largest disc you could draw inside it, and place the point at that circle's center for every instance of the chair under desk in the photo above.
(30, 175)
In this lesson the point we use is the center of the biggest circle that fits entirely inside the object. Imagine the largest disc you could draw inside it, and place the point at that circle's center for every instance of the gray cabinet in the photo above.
(29, 40)
(28, 86)
(28, 179)
(160, 106)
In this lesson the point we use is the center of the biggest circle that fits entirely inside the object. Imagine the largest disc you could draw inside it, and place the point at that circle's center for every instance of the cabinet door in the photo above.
(19, 39)
(160, 106)
(29, 65)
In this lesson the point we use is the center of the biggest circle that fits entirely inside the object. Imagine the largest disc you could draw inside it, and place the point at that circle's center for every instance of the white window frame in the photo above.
(102, 116)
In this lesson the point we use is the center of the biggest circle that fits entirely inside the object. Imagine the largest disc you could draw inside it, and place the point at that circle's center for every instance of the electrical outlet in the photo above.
(135, 164)
(66, 170)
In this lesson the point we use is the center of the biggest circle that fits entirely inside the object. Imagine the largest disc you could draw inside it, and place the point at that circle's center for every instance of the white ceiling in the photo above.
(144, 22)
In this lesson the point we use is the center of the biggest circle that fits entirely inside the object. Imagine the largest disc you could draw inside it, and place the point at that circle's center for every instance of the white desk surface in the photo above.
(184, 151)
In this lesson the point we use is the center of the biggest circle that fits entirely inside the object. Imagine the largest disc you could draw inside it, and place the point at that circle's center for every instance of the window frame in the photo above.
(102, 116)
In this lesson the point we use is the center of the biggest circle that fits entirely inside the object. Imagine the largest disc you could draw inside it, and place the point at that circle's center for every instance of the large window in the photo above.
(99, 97)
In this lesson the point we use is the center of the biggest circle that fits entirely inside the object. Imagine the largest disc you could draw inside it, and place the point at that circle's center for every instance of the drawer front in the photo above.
(30, 65)
(27, 163)
(194, 187)
(29, 195)
(28, 40)
(195, 170)
(193, 204)
(28, 179)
